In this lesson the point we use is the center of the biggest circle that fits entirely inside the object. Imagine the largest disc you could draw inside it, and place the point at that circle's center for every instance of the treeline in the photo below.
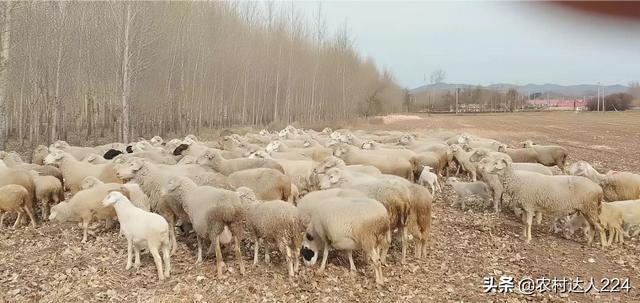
(613, 102)
(477, 99)
(74, 70)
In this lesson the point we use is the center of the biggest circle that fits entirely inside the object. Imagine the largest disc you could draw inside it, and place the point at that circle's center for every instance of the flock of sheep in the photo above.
(305, 192)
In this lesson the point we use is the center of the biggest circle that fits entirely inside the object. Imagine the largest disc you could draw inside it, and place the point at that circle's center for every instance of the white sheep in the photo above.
(209, 209)
(428, 177)
(465, 190)
(617, 186)
(48, 191)
(267, 183)
(15, 198)
(276, 222)
(142, 229)
(74, 171)
(558, 195)
(345, 223)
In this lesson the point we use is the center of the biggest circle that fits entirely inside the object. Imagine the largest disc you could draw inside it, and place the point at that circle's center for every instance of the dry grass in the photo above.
(51, 265)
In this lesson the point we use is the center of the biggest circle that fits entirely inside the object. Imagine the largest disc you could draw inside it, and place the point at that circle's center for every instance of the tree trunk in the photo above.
(126, 75)
(4, 72)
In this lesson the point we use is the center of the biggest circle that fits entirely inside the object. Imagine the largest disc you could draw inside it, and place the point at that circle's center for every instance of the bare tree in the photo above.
(438, 76)
(4, 70)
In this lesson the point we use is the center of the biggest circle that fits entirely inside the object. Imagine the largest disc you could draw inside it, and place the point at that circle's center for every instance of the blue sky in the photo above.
(487, 42)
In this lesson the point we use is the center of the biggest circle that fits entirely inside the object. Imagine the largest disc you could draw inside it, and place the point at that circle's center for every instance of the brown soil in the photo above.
(50, 264)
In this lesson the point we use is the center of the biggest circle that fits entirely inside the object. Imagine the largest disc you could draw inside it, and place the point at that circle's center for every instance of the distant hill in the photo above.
(553, 89)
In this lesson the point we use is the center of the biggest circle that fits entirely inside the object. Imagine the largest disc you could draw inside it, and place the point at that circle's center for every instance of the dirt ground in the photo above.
(50, 264)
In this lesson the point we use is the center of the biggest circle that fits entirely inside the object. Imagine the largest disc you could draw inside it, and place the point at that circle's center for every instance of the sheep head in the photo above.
(405, 140)
(264, 132)
(368, 145)
(307, 143)
(498, 166)
(112, 153)
(156, 140)
(340, 149)
(463, 139)
(116, 195)
(311, 247)
(260, 154)
(207, 157)
(332, 178)
(54, 158)
(478, 155)
(60, 144)
(527, 143)
(273, 146)
(427, 168)
(89, 182)
(59, 212)
(180, 149)
(128, 170)
(247, 195)
(188, 160)
(327, 131)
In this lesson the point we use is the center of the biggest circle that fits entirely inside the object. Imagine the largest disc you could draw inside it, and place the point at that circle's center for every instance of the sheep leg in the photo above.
(267, 258)
(166, 259)
(85, 229)
(527, 225)
(2, 219)
(377, 265)
(29, 212)
(199, 253)
(239, 259)
(433, 191)
(129, 253)
(418, 249)
(287, 254)
(297, 243)
(404, 238)
(473, 176)
(136, 253)
(325, 256)
(538, 218)
(256, 249)
(384, 248)
(612, 233)
(352, 265)
(593, 220)
(153, 249)
(172, 237)
(45, 209)
(18, 219)
(218, 256)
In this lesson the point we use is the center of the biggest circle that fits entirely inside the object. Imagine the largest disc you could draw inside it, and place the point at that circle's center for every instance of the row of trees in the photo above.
(613, 102)
(128, 69)
(477, 99)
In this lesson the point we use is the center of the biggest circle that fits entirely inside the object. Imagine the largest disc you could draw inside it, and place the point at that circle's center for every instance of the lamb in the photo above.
(142, 229)
(267, 183)
(345, 223)
(386, 163)
(214, 160)
(463, 160)
(75, 171)
(393, 194)
(135, 193)
(84, 206)
(210, 209)
(48, 190)
(466, 189)
(277, 222)
(151, 179)
(22, 178)
(558, 195)
(16, 198)
(427, 177)
(617, 186)
(611, 217)
(78, 152)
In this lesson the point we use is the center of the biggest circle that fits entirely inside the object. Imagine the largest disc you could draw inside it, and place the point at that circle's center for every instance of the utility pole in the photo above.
(598, 98)
(604, 105)
(457, 92)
